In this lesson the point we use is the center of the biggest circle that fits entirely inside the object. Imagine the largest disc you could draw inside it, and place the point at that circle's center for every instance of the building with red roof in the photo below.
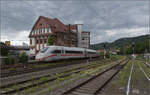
(64, 35)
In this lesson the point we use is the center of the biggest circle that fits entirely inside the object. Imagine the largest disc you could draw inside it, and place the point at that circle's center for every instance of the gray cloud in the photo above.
(97, 16)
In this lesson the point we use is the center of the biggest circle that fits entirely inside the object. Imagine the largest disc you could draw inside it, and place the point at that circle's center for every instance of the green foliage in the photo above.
(9, 60)
(4, 51)
(51, 40)
(107, 55)
(43, 79)
(101, 53)
(121, 42)
(23, 57)
(140, 48)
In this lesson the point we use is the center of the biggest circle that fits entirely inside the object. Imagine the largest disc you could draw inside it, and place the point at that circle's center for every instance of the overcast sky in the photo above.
(106, 20)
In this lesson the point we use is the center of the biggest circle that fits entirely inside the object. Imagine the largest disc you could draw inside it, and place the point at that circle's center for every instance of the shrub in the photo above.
(11, 59)
(23, 57)
(8, 59)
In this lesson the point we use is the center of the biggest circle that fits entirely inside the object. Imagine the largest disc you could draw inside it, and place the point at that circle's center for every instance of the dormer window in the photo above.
(40, 24)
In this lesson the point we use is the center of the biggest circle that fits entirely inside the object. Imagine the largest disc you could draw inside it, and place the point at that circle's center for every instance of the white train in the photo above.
(52, 53)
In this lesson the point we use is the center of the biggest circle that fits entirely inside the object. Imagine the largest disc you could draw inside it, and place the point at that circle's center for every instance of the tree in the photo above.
(51, 40)
(3, 49)
(8, 59)
(23, 57)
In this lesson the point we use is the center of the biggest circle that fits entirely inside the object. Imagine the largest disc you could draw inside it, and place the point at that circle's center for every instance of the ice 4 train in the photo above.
(53, 53)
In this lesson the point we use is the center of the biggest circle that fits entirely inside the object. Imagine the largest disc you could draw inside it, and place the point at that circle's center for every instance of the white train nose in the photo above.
(39, 56)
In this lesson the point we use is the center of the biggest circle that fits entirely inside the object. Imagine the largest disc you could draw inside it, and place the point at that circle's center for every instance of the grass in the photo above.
(138, 80)
(12, 69)
(145, 68)
(93, 69)
(125, 74)
(44, 79)
(59, 80)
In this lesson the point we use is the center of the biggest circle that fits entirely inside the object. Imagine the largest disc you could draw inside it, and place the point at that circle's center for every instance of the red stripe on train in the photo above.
(60, 55)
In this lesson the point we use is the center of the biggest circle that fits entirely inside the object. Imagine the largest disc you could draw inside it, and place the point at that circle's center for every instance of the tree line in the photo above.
(137, 48)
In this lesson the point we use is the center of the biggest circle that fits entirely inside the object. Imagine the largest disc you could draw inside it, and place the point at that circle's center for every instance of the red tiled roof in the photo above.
(59, 26)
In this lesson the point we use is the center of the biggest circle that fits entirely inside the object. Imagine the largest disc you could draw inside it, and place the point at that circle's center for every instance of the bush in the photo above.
(9, 59)
(23, 58)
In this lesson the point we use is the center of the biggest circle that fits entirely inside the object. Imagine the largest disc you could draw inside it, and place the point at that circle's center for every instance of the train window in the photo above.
(74, 52)
(91, 52)
(44, 49)
(56, 51)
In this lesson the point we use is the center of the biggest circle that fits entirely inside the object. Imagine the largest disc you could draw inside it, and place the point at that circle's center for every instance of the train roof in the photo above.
(70, 48)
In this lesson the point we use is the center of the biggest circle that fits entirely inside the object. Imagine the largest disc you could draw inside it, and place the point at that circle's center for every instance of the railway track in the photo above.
(143, 61)
(28, 84)
(23, 70)
(25, 77)
(94, 85)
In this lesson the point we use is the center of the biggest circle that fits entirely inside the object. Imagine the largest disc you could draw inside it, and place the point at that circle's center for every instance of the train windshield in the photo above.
(44, 49)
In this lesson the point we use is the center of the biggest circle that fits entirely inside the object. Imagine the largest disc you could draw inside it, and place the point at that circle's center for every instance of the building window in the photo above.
(43, 30)
(34, 31)
(41, 41)
(47, 30)
(30, 41)
(37, 31)
(37, 41)
(45, 41)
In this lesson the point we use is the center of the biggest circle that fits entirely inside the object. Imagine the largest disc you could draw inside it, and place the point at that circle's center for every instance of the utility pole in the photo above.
(104, 50)
(69, 35)
(133, 47)
(110, 52)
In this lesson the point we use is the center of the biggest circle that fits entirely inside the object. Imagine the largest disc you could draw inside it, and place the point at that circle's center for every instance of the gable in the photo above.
(40, 23)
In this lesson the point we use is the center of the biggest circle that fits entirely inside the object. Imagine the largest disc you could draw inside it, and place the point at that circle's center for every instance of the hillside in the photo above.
(120, 42)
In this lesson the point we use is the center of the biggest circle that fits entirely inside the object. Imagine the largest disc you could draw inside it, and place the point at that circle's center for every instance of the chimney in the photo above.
(79, 34)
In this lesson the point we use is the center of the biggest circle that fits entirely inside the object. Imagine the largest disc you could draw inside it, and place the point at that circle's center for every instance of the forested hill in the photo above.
(121, 42)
